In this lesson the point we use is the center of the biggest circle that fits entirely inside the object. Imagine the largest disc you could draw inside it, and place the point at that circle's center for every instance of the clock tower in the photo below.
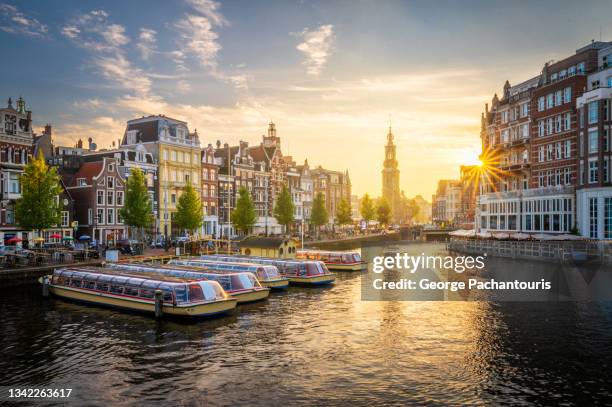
(390, 177)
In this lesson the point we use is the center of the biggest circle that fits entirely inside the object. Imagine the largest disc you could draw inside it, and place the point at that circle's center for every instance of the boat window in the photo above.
(195, 293)
(102, 286)
(167, 296)
(180, 292)
(131, 290)
(314, 268)
(335, 258)
(211, 290)
(90, 285)
(240, 281)
(75, 282)
(116, 289)
(356, 257)
(146, 293)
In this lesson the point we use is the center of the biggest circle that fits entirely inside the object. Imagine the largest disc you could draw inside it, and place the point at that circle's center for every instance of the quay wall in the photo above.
(339, 244)
(30, 275)
(550, 251)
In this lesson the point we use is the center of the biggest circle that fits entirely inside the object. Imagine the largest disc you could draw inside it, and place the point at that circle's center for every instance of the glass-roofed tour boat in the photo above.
(267, 275)
(335, 260)
(243, 286)
(105, 287)
(297, 271)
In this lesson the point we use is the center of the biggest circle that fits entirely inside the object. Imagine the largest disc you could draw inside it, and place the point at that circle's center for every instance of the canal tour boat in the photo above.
(104, 287)
(268, 276)
(244, 287)
(297, 271)
(335, 260)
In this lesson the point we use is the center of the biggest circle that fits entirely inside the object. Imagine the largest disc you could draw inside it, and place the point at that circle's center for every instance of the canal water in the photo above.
(315, 346)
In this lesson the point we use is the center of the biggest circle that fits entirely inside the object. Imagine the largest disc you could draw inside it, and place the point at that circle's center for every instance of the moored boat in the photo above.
(335, 260)
(242, 286)
(268, 275)
(297, 271)
(104, 287)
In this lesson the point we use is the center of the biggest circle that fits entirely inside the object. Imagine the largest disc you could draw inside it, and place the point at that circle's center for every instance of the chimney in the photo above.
(225, 145)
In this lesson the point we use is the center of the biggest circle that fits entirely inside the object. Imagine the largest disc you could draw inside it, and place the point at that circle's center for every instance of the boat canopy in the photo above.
(104, 280)
(230, 282)
(330, 256)
(263, 271)
(285, 266)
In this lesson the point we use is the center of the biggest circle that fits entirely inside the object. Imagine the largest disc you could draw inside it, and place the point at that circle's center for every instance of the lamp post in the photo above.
(229, 202)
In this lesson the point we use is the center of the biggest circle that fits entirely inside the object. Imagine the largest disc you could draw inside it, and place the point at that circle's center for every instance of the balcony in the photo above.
(517, 167)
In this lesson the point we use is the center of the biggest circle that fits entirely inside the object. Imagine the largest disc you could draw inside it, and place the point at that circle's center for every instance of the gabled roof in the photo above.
(87, 171)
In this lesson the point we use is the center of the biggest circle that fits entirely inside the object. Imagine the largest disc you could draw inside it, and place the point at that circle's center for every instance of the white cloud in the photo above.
(146, 44)
(317, 47)
(15, 22)
(210, 10)
(183, 86)
(199, 39)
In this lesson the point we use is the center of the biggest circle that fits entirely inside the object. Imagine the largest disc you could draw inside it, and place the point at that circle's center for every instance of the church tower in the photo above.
(390, 177)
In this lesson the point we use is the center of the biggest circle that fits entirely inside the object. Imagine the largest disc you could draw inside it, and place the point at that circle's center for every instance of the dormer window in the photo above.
(111, 168)
(81, 182)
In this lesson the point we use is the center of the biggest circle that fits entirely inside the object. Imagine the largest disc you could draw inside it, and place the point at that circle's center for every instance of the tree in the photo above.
(318, 215)
(367, 208)
(284, 208)
(38, 208)
(343, 213)
(244, 216)
(383, 211)
(137, 211)
(189, 210)
(413, 210)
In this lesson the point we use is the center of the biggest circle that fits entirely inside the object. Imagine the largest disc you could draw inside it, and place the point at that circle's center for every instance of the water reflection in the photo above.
(315, 346)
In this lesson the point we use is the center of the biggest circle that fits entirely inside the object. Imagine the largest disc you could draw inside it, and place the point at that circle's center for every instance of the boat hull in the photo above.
(195, 310)
(279, 284)
(313, 280)
(251, 295)
(347, 266)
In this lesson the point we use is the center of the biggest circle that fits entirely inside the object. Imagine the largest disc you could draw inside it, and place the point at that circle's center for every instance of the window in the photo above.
(593, 141)
(593, 171)
(558, 98)
(606, 177)
(549, 152)
(525, 109)
(110, 216)
(593, 112)
(525, 131)
(550, 100)
(558, 151)
(567, 176)
(593, 218)
(173, 155)
(608, 218)
(81, 182)
(119, 198)
(567, 122)
(65, 219)
(165, 154)
(568, 149)
(110, 182)
(100, 200)
(580, 68)
(541, 103)
(549, 126)
(110, 197)
(89, 216)
(558, 120)
(100, 216)
(567, 95)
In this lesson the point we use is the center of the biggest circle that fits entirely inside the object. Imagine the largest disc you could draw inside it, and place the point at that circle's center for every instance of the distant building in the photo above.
(391, 178)
(16, 141)
(334, 185)
(446, 203)
(210, 188)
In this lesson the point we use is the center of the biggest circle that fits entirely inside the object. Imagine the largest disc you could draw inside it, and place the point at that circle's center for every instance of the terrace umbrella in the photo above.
(85, 237)
(520, 236)
(55, 236)
(14, 239)
(67, 238)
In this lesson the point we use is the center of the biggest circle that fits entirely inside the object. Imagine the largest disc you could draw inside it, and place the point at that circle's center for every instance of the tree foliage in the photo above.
(319, 215)
(244, 215)
(189, 210)
(38, 208)
(284, 208)
(137, 209)
(383, 211)
(343, 213)
(367, 208)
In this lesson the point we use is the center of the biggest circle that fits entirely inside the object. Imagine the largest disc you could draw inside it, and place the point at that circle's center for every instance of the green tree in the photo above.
(383, 211)
(284, 208)
(38, 208)
(244, 216)
(343, 213)
(318, 215)
(189, 210)
(413, 210)
(367, 208)
(137, 211)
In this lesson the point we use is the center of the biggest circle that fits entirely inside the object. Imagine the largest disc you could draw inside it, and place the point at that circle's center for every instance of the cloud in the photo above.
(15, 22)
(146, 44)
(210, 10)
(199, 39)
(106, 40)
(317, 47)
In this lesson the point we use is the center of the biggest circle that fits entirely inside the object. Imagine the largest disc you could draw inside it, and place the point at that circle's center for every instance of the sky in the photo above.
(332, 75)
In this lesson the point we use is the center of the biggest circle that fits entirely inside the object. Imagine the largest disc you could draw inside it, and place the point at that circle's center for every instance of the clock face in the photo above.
(65, 201)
